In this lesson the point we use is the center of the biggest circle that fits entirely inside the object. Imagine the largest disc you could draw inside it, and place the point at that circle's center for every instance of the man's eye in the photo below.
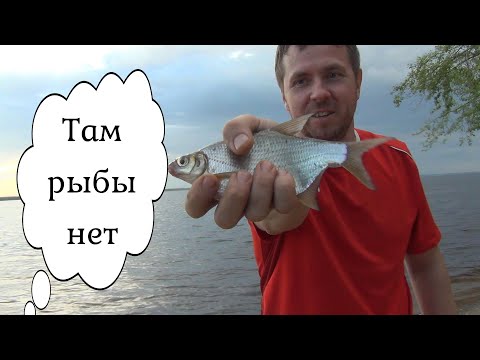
(334, 75)
(299, 82)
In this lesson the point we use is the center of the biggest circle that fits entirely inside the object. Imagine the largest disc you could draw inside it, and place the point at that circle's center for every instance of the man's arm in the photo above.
(431, 282)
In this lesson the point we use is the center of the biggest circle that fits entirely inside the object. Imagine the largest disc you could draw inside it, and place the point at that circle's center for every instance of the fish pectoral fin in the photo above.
(225, 175)
(292, 127)
(309, 196)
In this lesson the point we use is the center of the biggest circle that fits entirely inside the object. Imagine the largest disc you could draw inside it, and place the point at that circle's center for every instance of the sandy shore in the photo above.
(473, 312)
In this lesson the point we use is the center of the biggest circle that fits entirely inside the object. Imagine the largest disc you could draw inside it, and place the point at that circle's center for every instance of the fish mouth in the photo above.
(172, 169)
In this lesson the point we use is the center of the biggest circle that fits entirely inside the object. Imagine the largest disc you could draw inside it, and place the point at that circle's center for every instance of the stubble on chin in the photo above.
(324, 132)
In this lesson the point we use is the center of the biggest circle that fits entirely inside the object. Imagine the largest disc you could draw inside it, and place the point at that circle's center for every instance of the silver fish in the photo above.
(306, 159)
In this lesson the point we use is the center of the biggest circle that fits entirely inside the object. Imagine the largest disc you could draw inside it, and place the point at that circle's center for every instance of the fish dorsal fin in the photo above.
(309, 196)
(292, 127)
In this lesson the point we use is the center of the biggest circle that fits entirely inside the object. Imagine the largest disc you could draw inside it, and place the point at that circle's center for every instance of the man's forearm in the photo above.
(431, 283)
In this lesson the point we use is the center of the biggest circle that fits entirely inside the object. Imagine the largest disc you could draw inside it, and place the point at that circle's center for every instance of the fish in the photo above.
(306, 159)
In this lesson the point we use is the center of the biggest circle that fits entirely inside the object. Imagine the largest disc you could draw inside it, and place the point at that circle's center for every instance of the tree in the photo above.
(450, 75)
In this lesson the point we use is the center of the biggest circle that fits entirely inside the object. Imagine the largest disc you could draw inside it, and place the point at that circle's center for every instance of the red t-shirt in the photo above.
(348, 258)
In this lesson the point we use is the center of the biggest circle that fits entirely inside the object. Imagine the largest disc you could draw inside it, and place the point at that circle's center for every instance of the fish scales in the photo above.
(303, 158)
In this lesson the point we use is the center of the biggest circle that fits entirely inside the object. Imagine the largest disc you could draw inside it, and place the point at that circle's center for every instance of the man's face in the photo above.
(320, 79)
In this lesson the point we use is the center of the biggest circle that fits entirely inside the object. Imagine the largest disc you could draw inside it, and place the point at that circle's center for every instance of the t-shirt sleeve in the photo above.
(425, 232)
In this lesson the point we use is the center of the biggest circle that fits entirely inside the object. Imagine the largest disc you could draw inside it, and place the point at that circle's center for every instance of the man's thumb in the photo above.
(241, 144)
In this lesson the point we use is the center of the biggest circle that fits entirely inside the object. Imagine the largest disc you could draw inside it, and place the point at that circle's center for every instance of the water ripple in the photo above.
(193, 267)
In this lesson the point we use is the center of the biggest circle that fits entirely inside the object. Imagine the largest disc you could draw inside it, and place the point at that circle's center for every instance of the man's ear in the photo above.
(359, 82)
(285, 104)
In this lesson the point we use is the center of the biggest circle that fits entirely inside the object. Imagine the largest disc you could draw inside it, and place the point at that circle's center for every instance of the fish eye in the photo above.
(182, 161)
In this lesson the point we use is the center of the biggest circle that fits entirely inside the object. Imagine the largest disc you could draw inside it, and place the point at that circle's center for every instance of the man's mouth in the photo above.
(322, 114)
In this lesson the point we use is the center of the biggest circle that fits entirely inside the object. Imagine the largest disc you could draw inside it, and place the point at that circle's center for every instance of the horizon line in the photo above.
(16, 197)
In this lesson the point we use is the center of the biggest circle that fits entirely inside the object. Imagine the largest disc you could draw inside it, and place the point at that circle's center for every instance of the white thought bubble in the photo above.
(88, 182)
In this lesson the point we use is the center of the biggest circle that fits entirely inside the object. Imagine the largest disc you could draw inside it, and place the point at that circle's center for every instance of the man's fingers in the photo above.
(261, 196)
(200, 197)
(231, 206)
(285, 198)
(238, 133)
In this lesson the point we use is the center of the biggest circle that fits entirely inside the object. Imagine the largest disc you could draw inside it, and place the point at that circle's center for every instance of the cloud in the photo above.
(39, 60)
(239, 54)
(389, 63)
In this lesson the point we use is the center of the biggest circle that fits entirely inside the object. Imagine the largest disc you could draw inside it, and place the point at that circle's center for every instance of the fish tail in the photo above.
(354, 163)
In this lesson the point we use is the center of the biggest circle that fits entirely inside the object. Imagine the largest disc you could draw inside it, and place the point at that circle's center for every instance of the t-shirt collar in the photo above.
(357, 137)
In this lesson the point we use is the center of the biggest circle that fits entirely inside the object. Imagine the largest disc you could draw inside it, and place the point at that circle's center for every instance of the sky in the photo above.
(199, 88)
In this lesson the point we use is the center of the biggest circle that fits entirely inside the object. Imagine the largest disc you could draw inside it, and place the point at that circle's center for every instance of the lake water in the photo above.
(193, 267)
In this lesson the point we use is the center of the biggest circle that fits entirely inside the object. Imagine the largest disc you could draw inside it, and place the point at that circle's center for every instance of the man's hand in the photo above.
(267, 192)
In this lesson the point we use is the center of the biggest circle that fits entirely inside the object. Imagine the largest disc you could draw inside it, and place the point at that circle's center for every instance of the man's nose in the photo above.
(320, 91)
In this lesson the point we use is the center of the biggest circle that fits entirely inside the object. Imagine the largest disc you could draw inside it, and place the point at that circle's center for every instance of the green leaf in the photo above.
(449, 78)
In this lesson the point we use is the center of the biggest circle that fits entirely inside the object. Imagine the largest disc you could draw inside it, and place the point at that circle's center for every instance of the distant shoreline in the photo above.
(8, 198)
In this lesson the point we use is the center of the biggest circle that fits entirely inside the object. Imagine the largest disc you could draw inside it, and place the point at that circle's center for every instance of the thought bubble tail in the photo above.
(41, 289)
(29, 309)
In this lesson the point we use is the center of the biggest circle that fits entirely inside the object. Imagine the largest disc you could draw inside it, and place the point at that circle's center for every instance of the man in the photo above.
(348, 257)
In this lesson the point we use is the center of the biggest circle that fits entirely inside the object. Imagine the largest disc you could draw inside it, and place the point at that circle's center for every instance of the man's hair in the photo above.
(353, 54)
